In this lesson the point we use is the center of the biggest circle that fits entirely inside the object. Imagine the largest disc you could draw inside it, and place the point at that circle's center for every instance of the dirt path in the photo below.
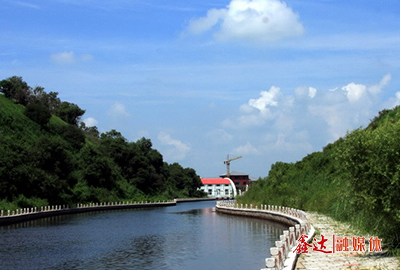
(346, 259)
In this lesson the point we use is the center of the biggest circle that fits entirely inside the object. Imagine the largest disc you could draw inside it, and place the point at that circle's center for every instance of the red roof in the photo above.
(215, 181)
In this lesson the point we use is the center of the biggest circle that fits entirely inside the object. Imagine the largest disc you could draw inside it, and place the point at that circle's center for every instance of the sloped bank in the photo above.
(283, 255)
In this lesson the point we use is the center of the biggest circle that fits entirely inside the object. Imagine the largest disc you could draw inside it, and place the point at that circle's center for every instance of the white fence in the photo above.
(18, 215)
(283, 254)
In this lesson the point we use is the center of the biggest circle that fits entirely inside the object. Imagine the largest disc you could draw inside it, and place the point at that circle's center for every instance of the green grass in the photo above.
(355, 180)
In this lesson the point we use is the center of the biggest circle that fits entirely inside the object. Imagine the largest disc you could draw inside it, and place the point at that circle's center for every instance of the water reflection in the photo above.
(187, 236)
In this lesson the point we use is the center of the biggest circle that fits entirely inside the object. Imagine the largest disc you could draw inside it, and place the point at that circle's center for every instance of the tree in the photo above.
(69, 112)
(38, 113)
(96, 169)
(73, 135)
(16, 88)
(48, 100)
(92, 133)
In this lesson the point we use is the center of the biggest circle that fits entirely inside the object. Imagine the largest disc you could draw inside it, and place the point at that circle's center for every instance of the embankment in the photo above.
(283, 254)
(21, 215)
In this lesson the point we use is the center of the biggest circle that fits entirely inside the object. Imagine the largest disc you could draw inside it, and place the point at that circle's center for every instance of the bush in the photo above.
(38, 113)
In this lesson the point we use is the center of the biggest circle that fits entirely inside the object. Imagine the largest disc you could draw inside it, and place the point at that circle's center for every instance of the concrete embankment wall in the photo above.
(194, 200)
(26, 214)
(278, 217)
(21, 215)
(283, 254)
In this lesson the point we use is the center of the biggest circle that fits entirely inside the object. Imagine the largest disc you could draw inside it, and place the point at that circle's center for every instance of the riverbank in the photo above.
(283, 254)
(26, 214)
(328, 227)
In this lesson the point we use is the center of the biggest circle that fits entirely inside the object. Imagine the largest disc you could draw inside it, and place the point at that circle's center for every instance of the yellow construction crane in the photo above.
(228, 163)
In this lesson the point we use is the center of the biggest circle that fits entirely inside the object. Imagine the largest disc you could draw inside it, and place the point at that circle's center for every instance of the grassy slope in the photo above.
(327, 182)
(13, 121)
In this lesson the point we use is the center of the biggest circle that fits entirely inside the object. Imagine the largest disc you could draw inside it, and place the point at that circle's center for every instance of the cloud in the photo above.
(312, 92)
(259, 110)
(118, 110)
(90, 122)
(354, 92)
(63, 58)
(377, 88)
(178, 150)
(219, 136)
(259, 21)
(397, 102)
(247, 149)
(69, 58)
(25, 4)
(283, 121)
(268, 98)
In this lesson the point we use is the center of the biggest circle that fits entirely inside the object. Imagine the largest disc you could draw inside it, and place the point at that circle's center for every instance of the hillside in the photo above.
(355, 179)
(49, 157)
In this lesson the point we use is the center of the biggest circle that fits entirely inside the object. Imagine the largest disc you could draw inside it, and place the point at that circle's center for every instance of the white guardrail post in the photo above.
(282, 254)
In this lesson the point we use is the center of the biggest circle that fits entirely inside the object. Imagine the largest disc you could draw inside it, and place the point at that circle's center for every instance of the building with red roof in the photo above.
(242, 180)
(219, 188)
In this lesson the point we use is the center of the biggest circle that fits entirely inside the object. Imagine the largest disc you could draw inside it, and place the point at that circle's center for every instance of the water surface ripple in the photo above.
(189, 236)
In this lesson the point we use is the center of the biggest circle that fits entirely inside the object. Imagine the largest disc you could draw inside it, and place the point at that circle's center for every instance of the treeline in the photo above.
(39, 104)
(355, 179)
(47, 156)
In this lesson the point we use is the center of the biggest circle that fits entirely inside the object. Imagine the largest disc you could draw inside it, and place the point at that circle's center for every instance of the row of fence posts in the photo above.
(283, 247)
(25, 211)
(32, 210)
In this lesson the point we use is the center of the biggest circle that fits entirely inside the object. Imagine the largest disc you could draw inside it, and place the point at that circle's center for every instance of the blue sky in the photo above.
(264, 79)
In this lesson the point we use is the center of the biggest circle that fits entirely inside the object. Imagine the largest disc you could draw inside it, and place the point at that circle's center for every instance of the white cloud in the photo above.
(354, 92)
(324, 117)
(219, 136)
(312, 92)
(69, 58)
(25, 4)
(203, 24)
(90, 122)
(393, 101)
(86, 57)
(397, 102)
(257, 110)
(118, 110)
(377, 88)
(250, 21)
(247, 149)
(178, 150)
(267, 99)
(63, 58)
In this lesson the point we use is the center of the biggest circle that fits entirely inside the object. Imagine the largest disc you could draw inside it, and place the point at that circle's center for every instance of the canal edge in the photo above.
(283, 254)
(26, 214)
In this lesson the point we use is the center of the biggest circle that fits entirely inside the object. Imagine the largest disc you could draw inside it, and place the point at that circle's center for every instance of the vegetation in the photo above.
(49, 157)
(355, 179)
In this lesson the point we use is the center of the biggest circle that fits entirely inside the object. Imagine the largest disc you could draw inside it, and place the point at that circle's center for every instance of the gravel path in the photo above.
(345, 259)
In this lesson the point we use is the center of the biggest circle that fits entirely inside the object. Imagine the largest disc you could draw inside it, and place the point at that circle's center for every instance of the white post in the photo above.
(292, 237)
(286, 234)
(282, 247)
(276, 254)
(270, 263)
(297, 226)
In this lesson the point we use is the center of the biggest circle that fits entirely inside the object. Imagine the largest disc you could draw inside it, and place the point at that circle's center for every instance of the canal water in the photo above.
(188, 236)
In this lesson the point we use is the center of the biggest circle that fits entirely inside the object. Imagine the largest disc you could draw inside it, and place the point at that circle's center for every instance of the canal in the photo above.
(188, 236)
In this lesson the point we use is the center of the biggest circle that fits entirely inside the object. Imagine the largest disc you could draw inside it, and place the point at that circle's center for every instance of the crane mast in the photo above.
(228, 163)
